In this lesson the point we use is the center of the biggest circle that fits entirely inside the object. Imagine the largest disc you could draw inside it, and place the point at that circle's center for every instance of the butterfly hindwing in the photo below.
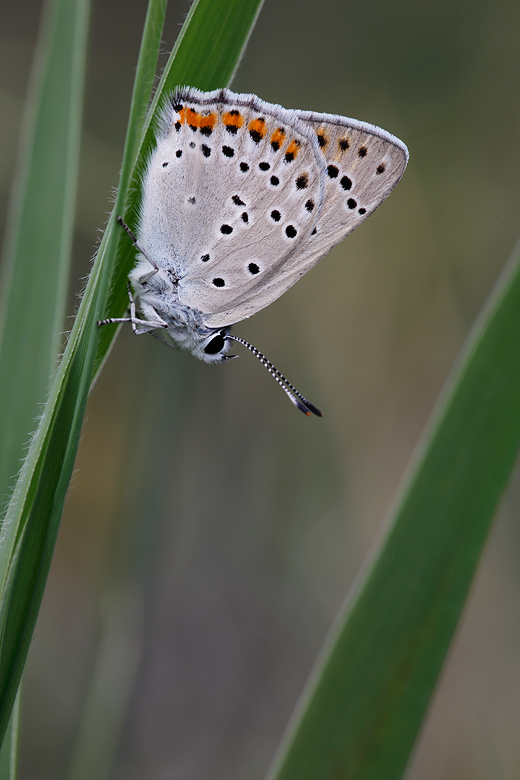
(362, 165)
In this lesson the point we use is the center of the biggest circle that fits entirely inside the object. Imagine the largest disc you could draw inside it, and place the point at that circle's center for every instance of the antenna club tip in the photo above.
(299, 405)
(313, 409)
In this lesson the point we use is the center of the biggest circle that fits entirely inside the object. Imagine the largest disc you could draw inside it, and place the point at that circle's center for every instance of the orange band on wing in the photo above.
(207, 122)
(277, 138)
(292, 150)
(257, 129)
(233, 120)
(189, 116)
(204, 122)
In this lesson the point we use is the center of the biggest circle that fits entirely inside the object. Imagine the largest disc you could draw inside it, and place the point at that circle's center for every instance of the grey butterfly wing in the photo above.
(242, 197)
(362, 165)
(232, 192)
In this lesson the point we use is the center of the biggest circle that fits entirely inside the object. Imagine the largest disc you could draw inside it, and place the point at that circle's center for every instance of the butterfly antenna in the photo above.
(296, 397)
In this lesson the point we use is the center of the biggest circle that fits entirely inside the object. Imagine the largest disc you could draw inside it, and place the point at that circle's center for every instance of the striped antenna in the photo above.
(296, 397)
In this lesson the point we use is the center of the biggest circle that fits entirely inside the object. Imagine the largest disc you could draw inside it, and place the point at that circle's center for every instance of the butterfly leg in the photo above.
(138, 326)
(135, 241)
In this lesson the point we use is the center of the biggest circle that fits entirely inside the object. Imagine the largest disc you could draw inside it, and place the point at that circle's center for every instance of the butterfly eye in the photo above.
(215, 345)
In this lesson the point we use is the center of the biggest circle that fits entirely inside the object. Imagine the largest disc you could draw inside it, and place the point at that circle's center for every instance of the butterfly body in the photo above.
(162, 313)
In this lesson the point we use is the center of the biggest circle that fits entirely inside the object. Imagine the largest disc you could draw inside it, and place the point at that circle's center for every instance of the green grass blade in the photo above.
(364, 705)
(35, 268)
(36, 260)
(206, 55)
(9, 750)
(210, 45)
(35, 510)
(33, 515)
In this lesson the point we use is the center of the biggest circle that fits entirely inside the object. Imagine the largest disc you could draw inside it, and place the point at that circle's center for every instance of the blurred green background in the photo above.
(212, 532)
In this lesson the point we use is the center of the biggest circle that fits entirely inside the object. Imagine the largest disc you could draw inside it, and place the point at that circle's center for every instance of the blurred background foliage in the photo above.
(211, 532)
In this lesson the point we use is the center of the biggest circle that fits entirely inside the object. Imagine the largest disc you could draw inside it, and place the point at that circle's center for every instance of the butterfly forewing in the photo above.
(235, 190)
(242, 197)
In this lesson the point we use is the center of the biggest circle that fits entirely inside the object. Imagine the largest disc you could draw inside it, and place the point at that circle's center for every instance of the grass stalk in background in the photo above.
(37, 251)
(36, 257)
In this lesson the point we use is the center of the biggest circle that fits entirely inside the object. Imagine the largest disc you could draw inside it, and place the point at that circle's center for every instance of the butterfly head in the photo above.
(214, 348)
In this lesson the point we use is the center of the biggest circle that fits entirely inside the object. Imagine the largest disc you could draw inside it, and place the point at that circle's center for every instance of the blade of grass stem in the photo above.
(35, 509)
(36, 258)
(368, 695)
(33, 515)
(9, 750)
(37, 251)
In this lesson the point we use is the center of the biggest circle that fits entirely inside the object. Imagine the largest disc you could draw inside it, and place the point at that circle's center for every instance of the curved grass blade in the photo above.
(35, 510)
(33, 515)
(37, 251)
(364, 705)
(9, 751)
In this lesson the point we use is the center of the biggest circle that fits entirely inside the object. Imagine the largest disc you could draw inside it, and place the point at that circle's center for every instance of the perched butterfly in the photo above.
(240, 199)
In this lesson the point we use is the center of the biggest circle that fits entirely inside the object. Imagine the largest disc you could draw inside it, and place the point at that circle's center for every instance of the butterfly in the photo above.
(240, 198)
